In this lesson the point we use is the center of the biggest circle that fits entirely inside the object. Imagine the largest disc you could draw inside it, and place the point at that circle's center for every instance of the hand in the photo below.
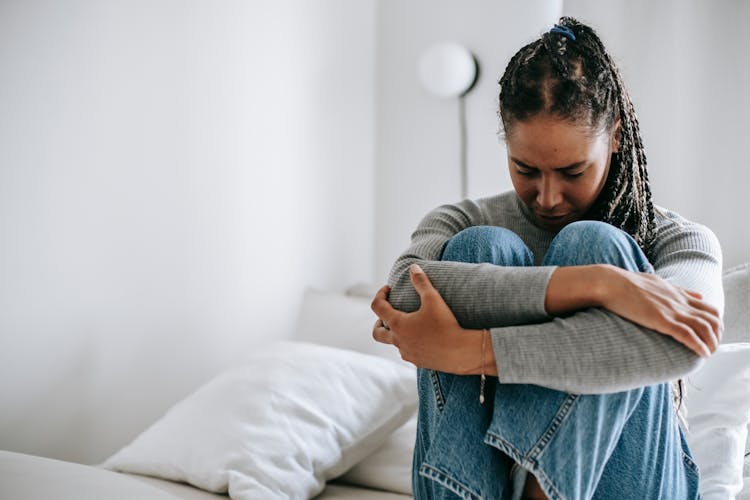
(431, 336)
(650, 301)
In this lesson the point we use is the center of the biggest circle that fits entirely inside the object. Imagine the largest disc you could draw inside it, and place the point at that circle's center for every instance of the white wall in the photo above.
(173, 173)
(685, 63)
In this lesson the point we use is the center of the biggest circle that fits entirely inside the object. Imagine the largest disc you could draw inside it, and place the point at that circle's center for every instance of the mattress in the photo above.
(31, 477)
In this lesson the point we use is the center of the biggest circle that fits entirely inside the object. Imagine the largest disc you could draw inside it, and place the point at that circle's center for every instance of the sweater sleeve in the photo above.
(480, 295)
(596, 351)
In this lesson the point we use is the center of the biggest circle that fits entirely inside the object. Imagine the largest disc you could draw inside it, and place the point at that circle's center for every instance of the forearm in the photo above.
(480, 295)
(592, 351)
(612, 345)
(487, 296)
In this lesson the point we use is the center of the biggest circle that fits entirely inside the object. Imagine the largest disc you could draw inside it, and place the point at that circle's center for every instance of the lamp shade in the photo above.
(447, 69)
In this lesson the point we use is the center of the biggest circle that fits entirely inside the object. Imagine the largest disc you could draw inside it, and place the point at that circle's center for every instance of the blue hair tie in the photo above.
(563, 30)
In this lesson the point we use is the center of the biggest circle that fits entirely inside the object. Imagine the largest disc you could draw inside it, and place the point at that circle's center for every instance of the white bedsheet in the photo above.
(37, 478)
(26, 476)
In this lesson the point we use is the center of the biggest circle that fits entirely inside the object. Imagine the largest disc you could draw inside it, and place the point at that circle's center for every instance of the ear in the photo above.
(616, 136)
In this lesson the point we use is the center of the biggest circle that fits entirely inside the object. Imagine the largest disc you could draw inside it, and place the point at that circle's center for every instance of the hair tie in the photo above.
(564, 31)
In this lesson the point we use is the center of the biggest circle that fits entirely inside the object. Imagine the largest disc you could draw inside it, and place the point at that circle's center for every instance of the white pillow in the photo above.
(737, 301)
(338, 320)
(277, 426)
(389, 468)
(736, 282)
(718, 412)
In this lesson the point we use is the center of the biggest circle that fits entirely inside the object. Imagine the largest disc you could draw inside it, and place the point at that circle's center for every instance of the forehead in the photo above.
(545, 141)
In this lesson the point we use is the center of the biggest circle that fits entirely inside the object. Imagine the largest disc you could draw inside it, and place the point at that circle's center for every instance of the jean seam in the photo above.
(434, 474)
(689, 462)
(560, 416)
(437, 390)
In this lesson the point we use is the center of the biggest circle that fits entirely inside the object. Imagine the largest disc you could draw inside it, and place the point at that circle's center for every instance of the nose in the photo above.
(549, 193)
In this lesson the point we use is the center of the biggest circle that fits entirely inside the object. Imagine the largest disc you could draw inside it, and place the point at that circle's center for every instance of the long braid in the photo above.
(578, 80)
(637, 215)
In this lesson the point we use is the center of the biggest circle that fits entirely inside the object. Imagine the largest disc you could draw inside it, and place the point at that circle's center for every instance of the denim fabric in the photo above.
(624, 445)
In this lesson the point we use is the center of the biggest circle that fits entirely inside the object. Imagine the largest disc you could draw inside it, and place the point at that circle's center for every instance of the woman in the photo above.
(580, 296)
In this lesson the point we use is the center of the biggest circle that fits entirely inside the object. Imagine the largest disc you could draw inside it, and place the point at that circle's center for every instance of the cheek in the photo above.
(585, 193)
(524, 189)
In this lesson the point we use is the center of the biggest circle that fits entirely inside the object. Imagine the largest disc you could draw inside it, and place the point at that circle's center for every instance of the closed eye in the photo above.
(572, 175)
(527, 172)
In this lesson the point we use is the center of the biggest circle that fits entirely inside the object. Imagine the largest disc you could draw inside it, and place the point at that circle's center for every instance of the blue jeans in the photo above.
(624, 445)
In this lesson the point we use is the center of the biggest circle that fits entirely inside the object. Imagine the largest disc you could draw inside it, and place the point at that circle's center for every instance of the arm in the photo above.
(595, 350)
(642, 298)
(432, 338)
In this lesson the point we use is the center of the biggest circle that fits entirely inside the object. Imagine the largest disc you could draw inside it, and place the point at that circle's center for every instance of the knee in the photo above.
(494, 245)
(595, 242)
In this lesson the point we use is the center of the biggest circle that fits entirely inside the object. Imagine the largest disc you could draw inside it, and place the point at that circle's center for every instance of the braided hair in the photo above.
(568, 73)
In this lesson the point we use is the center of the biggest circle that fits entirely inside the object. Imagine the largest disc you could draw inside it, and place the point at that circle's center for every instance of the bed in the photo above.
(329, 414)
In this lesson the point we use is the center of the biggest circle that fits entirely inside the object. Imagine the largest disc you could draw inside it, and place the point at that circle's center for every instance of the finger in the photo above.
(381, 307)
(703, 306)
(687, 337)
(378, 324)
(383, 335)
(381, 324)
(709, 313)
(705, 332)
(382, 293)
(693, 294)
(714, 320)
(419, 279)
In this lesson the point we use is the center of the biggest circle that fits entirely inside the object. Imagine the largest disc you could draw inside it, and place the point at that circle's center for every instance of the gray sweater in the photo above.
(588, 352)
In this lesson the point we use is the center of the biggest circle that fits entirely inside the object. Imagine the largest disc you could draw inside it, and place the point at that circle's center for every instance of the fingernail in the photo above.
(415, 268)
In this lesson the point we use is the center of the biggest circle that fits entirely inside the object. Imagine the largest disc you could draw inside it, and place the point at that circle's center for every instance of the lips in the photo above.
(552, 221)
(551, 217)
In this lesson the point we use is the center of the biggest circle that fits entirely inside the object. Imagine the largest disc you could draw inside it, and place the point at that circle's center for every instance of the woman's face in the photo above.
(558, 168)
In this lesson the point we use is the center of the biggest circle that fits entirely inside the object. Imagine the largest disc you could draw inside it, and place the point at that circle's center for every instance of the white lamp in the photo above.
(448, 69)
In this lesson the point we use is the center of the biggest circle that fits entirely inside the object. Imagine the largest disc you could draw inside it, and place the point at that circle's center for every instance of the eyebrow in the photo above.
(567, 167)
